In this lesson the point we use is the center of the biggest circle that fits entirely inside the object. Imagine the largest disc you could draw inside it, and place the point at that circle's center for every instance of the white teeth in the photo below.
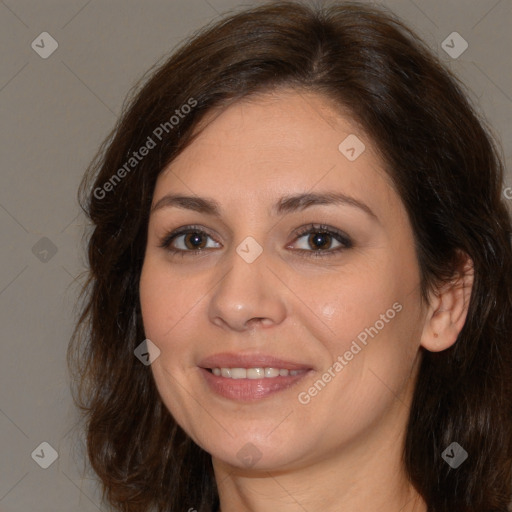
(254, 373)
(238, 373)
(271, 372)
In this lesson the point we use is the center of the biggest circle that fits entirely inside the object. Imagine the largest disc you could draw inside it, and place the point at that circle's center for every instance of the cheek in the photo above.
(163, 301)
(368, 316)
(338, 305)
(164, 305)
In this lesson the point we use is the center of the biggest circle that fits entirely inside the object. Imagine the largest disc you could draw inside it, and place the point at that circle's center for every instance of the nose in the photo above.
(248, 295)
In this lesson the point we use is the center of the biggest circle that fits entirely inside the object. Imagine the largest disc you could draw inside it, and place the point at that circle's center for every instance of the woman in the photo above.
(300, 278)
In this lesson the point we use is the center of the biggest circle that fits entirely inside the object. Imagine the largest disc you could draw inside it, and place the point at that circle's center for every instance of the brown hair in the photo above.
(449, 174)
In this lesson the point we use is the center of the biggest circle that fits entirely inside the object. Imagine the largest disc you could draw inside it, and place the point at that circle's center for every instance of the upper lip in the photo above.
(230, 360)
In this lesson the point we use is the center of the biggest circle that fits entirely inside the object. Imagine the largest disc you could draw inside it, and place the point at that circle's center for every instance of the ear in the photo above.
(448, 309)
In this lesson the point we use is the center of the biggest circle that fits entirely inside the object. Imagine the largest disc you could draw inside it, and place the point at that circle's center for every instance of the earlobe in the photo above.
(441, 333)
(448, 310)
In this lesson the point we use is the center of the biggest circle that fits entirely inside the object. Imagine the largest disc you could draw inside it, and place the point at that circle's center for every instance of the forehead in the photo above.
(273, 144)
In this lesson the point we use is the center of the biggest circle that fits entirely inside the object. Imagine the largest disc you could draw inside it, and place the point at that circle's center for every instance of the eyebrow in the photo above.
(284, 205)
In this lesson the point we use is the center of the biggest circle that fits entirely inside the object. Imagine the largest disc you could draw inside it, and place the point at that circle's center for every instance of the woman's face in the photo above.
(294, 252)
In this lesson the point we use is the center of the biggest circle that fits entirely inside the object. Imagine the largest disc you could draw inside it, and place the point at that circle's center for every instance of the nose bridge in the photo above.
(248, 290)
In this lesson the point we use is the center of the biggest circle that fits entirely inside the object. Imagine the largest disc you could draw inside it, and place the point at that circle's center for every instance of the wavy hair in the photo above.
(445, 165)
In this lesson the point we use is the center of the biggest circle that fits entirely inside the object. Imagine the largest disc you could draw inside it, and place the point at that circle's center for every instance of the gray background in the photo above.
(54, 113)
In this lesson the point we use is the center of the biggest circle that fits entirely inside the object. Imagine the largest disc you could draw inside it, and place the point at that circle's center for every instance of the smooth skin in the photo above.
(342, 450)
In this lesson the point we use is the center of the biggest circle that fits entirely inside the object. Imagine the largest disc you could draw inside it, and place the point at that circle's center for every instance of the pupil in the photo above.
(195, 239)
(320, 240)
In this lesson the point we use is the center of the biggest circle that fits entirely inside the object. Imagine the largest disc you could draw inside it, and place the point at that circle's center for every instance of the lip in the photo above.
(230, 360)
(249, 390)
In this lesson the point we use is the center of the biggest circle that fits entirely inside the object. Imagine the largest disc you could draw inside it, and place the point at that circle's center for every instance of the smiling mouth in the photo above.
(254, 373)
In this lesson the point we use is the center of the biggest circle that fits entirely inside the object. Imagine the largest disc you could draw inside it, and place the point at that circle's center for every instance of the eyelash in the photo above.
(339, 236)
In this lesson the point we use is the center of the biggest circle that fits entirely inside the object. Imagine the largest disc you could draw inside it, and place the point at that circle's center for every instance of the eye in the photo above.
(190, 240)
(187, 239)
(320, 239)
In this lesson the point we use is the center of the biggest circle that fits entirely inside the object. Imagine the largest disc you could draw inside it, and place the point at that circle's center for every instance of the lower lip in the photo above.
(247, 390)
